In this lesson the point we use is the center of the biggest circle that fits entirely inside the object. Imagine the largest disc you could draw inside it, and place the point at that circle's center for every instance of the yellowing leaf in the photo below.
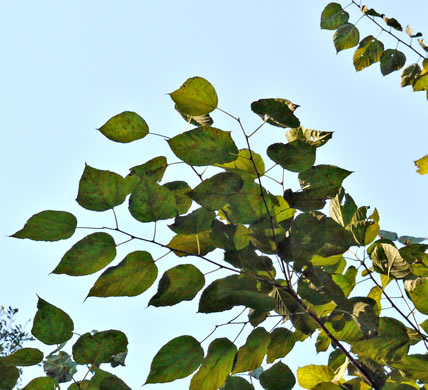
(422, 165)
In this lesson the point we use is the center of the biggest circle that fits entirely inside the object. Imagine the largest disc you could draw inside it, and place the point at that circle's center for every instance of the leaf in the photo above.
(215, 367)
(277, 112)
(307, 200)
(282, 342)
(214, 193)
(410, 32)
(154, 168)
(422, 44)
(278, 377)
(197, 221)
(250, 356)
(315, 138)
(391, 22)
(410, 74)
(369, 11)
(88, 255)
(388, 235)
(177, 359)
(48, 225)
(195, 97)
(8, 376)
(369, 51)
(391, 61)
(131, 277)
(311, 375)
(364, 232)
(414, 366)
(199, 120)
(388, 261)
(322, 343)
(408, 240)
(42, 383)
(102, 190)
(204, 146)
(345, 37)
(113, 383)
(51, 325)
(180, 190)
(346, 282)
(248, 161)
(61, 367)
(180, 283)
(125, 127)
(237, 383)
(417, 290)
(296, 156)
(333, 16)
(422, 165)
(23, 357)
(150, 202)
(342, 211)
(192, 244)
(223, 294)
(99, 347)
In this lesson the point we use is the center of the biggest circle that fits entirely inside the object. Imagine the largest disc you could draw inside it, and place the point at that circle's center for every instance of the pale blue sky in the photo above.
(67, 67)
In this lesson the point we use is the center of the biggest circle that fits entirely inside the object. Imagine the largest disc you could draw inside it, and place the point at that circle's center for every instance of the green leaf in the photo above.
(23, 357)
(237, 383)
(345, 37)
(282, 342)
(333, 16)
(102, 190)
(150, 202)
(410, 74)
(177, 359)
(180, 190)
(197, 221)
(180, 283)
(215, 367)
(424, 326)
(388, 235)
(415, 253)
(422, 165)
(319, 261)
(51, 324)
(195, 97)
(391, 61)
(342, 208)
(48, 225)
(248, 161)
(417, 290)
(311, 375)
(277, 112)
(346, 282)
(214, 193)
(99, 347)
(408, 240)
(223, 294)
(131, 277)
(365, 232)
(414, 366)
(369, 51)
(154, 168)
(88, 255)
(388, 261)
(42, 383)
(322, 343)
(8, 376)
(192, 244)
(251, 355)
(61, 367)
(204, 146)
(390, 344)
(312, 137)
(125, 127)
(296, 156)
(113, 383)
(278, 377)
(391, 22)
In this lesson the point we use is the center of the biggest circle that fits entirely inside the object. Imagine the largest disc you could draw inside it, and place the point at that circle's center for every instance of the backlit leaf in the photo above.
(42, 383)
(61, 367)
(410, 74)
(311, 375)
(180, 283)
(197, 221)
(88, 255)
(154, 168)
(333, 16)
(125, 127)
(388, 261)
(410, 32)
(296, 156)
(237, 383)
(417, 290)
(23, 357)
(282, 342)
(177, 359)
(392, 22)
(345, 37)
(180, 190)
(391, 61)
(278, 377)
(245, 164)
(48, 225)
(365, 232)
(277, 112)
(422, 165)
(369, 51)
(51, 324)
(198, 120)
(215, 367)
(192, 244)
(342, 208)
(414, 366)
(195, 97)
(315, 138)
(131, 277)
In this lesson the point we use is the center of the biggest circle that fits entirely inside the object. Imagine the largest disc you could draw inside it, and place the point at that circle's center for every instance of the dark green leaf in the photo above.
(277, 112)
(42, 383)
(333, 16)
(296, 156)
(248, 162)
(197, 221)
(315, 138)
(311, 375)
(154, 168)
(391, 61)
(176, 359)
(180, 283)
(48, 225)
(51, 324)
(125, 127)
(195, 97)
(23, 357)
(87, 256)
(282, 342)
(307, 200)
(180, 190)
(345, 37)
(251, 355)
(131, 277)
(99, 347)
(237, 383)
(410, 74)
(113, 383)
(8, 376)
(391, 22)
(417, 290)
(192, 244)
(204, 146)
(61, 367)
(278, 377)
(215, 367)
(414, 366)
(369, 51)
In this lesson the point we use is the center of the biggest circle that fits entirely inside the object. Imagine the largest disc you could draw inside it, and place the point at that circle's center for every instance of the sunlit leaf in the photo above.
(392, 22)
(192, 244)
(388, 261)
(410, 32)
(23, 357)
(311, 375)
(42, 383)
(131, 277)
(125, 127)
(195, 97)
(345, 37)
(322, 343)
(364, 232)
(333, 16)
(177, 359)
(197, 221)
(410, 74)
(88, 255)
(422, 165)
(180, 283)
(154, 168)
(48, 225)
(277, 112)
(296, 156)
(414, 366)
(342, 208)
(391, 61)
(248, 162)
(369, 51)
(312, 137)
(278, 377)
(422, 44)
(347, 281)
(282, 342)
(417, 290)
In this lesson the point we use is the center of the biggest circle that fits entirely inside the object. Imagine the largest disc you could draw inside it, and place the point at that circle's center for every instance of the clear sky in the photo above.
(67, 67)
